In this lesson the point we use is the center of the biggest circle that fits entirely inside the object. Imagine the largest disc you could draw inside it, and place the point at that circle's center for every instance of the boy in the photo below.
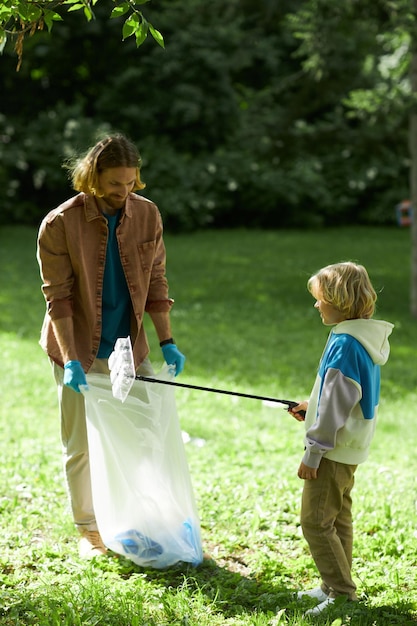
(340, 422)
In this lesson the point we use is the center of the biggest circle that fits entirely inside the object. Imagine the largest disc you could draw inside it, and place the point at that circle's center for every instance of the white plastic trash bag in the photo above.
(142, 492)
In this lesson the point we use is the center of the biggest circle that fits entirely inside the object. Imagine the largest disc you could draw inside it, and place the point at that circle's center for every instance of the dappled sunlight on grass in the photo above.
(245, 321)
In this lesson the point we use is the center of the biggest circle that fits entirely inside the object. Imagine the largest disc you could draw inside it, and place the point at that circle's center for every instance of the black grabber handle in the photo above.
(290, 403)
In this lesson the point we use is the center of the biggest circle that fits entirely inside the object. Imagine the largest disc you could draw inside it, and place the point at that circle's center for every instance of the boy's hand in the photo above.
(307, 473)
(295, 411)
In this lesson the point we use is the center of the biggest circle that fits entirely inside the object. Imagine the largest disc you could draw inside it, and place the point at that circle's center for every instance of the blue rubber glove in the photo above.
(173, 357)
(74, 376)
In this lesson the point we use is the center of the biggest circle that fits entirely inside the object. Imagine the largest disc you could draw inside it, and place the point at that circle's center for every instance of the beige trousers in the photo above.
(75, 445)
(326, 521)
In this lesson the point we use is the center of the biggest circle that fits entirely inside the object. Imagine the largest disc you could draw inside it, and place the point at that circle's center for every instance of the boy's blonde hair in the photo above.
(347, 287)
(112, 151)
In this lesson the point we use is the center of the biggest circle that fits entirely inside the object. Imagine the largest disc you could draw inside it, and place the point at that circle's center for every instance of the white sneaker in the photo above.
(323, 606)
(316, 594)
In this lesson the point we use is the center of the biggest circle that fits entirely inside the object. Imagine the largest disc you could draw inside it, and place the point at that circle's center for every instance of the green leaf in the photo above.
(120, 10)
(74, 2)
(130, 26)
(157, 36)
(88, 13)
(141, 33)
(6, 12)
(29, 13)
(76, 7)
(50, 17)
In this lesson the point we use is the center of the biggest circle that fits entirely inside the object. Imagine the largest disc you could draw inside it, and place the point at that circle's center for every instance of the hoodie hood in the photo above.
(372, 334)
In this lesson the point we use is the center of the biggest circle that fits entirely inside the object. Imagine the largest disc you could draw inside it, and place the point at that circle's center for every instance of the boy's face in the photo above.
(328, 313)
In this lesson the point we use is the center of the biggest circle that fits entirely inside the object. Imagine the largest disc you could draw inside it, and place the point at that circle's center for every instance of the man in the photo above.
(102, 261)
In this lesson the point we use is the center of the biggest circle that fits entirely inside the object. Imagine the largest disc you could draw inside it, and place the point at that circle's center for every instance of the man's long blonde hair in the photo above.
(111, 151)
(347, 287)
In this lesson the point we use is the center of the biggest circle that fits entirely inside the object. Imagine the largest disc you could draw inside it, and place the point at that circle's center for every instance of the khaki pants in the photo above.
(75, 444)
(326, 521)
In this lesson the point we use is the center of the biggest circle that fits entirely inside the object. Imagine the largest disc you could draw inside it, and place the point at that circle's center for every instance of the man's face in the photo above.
(115, 184)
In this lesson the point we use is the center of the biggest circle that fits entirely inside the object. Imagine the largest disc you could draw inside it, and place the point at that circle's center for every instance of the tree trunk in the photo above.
(413, 173)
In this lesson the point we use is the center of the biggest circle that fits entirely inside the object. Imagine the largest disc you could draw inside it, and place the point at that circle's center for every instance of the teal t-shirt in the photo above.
(116, 298)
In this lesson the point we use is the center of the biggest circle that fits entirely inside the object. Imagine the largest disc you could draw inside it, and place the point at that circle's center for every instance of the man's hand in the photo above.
(307, 473)
(173, 356)
(74, 376)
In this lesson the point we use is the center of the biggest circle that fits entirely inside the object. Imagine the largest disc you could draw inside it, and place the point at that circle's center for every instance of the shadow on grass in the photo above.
(117, 592)
(234, 594)
(386, 615)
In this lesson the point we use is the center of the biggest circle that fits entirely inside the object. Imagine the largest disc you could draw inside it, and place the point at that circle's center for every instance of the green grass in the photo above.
(245, 321)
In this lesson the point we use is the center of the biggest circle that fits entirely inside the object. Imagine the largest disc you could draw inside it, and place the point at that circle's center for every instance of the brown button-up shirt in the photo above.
(72, 243)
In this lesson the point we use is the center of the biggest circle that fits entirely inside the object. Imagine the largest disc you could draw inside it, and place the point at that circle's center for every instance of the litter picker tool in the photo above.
(123, 375)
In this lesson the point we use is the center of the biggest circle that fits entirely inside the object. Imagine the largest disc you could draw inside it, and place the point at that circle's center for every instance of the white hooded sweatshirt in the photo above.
(343, 406)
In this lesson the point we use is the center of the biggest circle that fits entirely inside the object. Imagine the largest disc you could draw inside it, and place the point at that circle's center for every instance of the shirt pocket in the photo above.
(147, 255)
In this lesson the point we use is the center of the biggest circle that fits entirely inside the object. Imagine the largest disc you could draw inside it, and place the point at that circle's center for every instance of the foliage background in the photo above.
(257, 113)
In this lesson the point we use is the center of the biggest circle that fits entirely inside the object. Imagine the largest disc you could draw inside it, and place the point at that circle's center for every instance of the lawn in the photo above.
(245, 321)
